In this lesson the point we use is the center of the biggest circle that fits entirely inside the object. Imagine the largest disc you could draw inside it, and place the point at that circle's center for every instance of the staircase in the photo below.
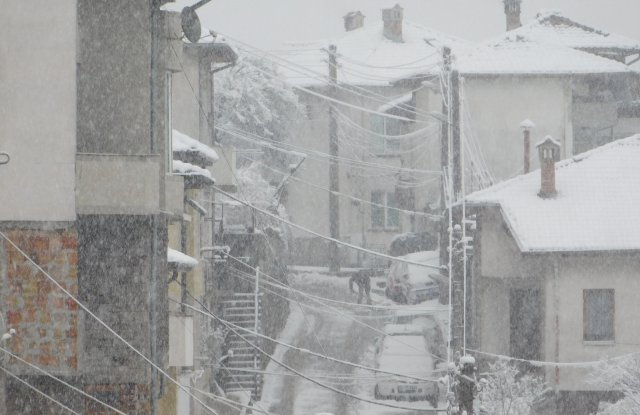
(239, 370)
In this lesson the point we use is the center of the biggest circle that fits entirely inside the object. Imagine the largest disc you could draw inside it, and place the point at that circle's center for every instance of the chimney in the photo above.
(549, 152)
(526, 126)
(353, 21)
(512, 10)
(392, 19)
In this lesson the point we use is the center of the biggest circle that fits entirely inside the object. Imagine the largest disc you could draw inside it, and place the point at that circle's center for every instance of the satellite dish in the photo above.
(191, 24)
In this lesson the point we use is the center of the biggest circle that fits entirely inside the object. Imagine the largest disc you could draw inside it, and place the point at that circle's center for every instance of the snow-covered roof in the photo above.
(403, 99)
(553, 27)
(192, 149)
(596, 207)
(528, 57)
(367, 57)
(180, 261)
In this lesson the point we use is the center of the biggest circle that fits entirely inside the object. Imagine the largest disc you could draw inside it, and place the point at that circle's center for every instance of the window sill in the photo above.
(599, 343)
(397, 229)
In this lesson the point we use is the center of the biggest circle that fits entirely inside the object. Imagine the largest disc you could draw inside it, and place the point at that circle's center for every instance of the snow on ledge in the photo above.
(188, 169)
(181, 142)
(181, 260)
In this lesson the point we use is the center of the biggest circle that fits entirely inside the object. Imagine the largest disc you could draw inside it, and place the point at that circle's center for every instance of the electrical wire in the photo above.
(302, 228)
(407, 212)
(30, 386)
(314, 381)
(342, 314)
(48, 374)
(105, 325)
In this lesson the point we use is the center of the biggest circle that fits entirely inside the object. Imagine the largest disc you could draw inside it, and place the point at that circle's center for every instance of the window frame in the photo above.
(384, 211)
(594, 338)
(382, 146)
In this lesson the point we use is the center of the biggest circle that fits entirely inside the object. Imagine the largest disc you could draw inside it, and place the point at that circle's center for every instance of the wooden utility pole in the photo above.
(334, 169)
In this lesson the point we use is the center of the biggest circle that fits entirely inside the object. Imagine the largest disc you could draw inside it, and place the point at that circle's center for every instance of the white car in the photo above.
(405, 354)
(411, 284)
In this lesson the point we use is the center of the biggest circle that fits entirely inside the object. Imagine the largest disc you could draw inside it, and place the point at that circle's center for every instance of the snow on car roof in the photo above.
(399, 329)
(596, 207)
(405, 355)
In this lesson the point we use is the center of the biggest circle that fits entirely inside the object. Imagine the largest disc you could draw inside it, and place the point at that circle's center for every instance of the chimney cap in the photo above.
(527, 125)
(353, 14)
(548, 140)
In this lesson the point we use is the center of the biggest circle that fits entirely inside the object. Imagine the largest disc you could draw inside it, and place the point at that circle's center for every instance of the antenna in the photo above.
(191, 26)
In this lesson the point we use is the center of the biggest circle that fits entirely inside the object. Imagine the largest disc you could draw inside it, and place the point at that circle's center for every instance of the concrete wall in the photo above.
(114, 77)
(38, 110)
(122, 278)
(185, 106)
(116, 184)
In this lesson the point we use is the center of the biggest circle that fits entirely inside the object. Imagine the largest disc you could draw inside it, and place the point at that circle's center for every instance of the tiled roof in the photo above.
(596, 207)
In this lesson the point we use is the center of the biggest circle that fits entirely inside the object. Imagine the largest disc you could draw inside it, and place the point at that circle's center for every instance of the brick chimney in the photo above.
(549, 152)
(526, 126)
(392, 19)
(512, 10)
(353, 21)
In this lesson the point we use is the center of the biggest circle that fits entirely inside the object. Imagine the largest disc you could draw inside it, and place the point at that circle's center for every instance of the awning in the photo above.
(195, 177)
(191, 150)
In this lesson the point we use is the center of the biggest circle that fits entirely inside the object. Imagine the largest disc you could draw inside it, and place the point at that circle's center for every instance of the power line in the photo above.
(350, 88)
(408, 212)
(105, 325)
(30, 386)
(48, 374)
(333, 308)
(260, 140)
(314, 381)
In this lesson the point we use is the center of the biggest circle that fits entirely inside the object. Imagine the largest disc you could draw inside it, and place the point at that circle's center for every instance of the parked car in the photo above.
(405, 354)
(411, 284)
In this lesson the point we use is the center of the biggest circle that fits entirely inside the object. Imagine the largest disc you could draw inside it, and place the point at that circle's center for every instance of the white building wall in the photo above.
(504, 267)
(497, 106)
(38, 110)
(599, 271)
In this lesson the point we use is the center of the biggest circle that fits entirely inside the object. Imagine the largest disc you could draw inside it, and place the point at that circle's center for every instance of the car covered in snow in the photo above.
(405, 354)
(411, 284)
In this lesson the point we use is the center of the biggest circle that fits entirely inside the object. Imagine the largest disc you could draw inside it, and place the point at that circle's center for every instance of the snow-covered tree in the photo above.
(251, 97)
(620, 375)
(507, 392)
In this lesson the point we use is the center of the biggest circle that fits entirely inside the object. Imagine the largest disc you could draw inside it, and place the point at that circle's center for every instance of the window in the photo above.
(385, 126)
(599, 315)
(381, 214)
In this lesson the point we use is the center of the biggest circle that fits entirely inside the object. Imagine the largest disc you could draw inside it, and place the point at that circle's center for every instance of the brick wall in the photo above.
(45, 318)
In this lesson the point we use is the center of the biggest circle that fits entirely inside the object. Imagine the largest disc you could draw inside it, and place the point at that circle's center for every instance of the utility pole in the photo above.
(334, 168)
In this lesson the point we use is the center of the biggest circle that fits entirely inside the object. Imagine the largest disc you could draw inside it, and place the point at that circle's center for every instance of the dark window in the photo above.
(599, 315)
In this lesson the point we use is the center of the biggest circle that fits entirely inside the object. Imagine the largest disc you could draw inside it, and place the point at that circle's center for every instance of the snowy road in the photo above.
(324, 330)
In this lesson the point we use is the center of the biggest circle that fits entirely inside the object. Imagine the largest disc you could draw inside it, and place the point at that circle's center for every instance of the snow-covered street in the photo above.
(334, 331)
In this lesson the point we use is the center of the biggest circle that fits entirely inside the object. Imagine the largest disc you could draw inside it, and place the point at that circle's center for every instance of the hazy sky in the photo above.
(268, 23)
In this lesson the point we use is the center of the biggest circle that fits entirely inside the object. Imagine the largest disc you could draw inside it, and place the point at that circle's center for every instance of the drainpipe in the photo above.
(526, 126)
(556, 328)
